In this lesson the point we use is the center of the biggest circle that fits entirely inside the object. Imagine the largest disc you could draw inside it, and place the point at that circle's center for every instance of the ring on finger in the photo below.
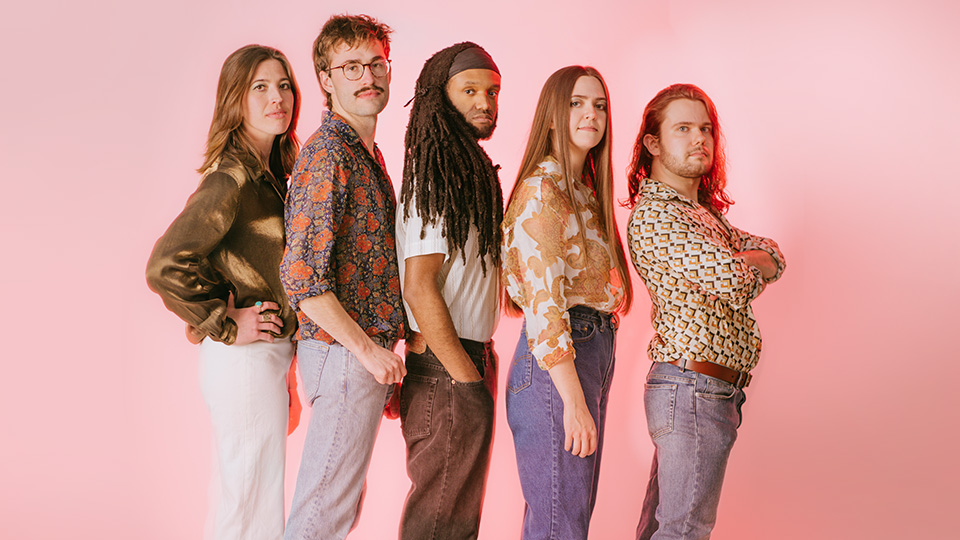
(265, 317)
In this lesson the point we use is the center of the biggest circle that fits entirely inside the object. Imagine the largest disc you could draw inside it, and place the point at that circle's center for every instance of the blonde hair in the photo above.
(227, 136)
(553, 109)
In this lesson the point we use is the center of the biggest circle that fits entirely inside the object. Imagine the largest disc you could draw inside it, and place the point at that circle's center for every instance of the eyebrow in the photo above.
(267, 80)
(587, 97)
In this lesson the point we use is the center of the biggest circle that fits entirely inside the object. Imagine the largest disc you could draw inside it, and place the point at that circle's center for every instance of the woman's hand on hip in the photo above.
(253, 324)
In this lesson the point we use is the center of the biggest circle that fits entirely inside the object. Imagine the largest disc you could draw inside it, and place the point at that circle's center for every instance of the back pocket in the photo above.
(417, 394)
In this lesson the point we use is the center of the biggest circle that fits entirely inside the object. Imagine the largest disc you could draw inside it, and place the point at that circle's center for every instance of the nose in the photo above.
(275, 95)
(367, 78)
(482, 102)
(698, 136)
(590, 112)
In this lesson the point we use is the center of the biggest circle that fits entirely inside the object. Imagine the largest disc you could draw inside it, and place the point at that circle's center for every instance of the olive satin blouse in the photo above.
(229, 238)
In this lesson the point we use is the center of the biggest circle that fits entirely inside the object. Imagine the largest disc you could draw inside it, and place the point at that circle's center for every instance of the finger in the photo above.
(575, 448)
(266, 336)
(567, 442)
(269, 306)
(268, 327)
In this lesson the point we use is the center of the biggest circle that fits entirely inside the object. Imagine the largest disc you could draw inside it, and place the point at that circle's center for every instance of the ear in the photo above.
(652, 144)
(325, 81)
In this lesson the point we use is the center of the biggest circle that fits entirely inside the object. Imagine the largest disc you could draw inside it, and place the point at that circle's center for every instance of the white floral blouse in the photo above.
(544, 268)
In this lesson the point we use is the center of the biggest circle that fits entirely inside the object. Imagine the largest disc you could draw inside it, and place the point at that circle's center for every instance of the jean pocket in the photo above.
(311, 357)
(716, 389)
(660, 402)
(417, 394)
(521, 373)
(581, 330)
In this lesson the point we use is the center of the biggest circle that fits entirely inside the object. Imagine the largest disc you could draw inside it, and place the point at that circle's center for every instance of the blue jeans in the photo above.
(559, 489)
(347, 405)
(693, 421)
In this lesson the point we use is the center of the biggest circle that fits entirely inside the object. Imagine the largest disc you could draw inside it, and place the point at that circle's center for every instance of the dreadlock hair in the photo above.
(711, 192)
(446, 172)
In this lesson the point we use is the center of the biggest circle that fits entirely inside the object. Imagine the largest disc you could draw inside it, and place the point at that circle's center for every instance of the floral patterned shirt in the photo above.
(700, 292)
(339, 217)
(544, 268)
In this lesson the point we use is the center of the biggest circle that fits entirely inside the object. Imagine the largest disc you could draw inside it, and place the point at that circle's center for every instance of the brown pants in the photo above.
(448, 429)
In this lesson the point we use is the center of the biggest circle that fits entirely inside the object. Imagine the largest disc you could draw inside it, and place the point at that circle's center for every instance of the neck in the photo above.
(688, 187)
(365, 126)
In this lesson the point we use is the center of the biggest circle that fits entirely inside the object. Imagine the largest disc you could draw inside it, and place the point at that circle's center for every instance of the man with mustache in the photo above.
(340, 272)
(702, 275)
(448, 244)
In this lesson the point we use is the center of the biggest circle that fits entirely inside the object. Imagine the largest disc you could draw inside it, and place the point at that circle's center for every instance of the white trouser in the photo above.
(245, 388)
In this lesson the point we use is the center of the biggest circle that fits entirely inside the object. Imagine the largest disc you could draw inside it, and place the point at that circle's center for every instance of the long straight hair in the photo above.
(553, 109)
(227, 136)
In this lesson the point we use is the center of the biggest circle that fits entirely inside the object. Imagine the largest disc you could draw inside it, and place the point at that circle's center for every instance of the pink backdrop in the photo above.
(841, 119)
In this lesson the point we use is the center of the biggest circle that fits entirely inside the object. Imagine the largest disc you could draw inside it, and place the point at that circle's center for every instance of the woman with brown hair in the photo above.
(564, 269)
(217, 268)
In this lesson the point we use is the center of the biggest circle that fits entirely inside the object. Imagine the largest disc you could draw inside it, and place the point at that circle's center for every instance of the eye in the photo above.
(707, 130)
(378, 65)
(259, 87)
(601, 106)
(469, 91)
(285, 86)
(683, 129)
(575, 103)
(352, 68)
(493, 93)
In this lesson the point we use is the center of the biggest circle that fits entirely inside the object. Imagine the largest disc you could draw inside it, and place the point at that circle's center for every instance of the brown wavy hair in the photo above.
(349, 30)
(553, 109)
(227, 137)
(711, 192)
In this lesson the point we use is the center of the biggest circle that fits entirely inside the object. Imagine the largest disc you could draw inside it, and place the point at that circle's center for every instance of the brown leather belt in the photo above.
(732, 376)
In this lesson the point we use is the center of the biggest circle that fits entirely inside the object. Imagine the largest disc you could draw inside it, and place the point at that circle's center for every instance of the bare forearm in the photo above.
(434, 321)
(328, 313)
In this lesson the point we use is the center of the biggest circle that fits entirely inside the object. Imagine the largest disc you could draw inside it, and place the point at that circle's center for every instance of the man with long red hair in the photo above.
(702, 275)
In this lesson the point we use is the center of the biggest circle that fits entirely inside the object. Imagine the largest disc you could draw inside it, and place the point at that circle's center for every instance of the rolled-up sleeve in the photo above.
(313, 215)
(179, 270)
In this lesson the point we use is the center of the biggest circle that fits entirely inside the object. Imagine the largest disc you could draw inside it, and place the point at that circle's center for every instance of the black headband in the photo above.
(472, 58)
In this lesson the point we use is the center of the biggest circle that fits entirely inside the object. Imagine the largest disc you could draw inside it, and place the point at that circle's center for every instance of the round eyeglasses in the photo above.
(353, 70)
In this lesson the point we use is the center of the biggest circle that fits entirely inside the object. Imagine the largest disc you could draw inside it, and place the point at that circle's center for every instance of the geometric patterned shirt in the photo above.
(339, 217)
(545, 270)
(700, 293)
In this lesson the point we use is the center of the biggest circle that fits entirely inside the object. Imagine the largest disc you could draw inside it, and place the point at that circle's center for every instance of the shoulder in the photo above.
(226, 173)
(544, 185)
(326, 147)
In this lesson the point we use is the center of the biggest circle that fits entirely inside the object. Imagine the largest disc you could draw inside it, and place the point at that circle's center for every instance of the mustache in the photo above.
(366, 88)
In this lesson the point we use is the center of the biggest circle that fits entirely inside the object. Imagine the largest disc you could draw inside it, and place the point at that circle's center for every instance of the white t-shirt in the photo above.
(472, 298)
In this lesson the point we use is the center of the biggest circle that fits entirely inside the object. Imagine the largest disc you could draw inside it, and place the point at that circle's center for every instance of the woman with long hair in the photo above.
(217, 268)
(564, 269)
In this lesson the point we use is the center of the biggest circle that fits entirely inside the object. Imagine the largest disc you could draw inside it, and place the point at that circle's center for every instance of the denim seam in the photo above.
(554, 473)
(697, 469)
(446, 455)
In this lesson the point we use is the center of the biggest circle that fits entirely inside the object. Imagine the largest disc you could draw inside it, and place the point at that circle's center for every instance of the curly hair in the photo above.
(349, 30)
(446, 173)
(711, 193)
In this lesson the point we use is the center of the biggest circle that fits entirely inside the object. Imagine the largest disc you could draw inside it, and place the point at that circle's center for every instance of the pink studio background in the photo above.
(841, 120)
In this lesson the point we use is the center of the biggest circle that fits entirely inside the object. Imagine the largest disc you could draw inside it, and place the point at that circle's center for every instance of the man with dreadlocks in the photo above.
(448, 242)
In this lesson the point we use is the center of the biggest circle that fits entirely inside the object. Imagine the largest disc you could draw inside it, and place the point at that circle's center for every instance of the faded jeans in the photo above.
(448, 428)
(347, 405)
(693, 420)
(559, 489)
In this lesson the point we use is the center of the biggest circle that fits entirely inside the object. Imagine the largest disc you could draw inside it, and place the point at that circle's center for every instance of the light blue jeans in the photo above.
(347, 405)
(559, 489)
(693, 421)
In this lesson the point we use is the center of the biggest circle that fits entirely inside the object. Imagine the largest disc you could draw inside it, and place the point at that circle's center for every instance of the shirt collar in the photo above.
(345, 131)
(656, 189)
